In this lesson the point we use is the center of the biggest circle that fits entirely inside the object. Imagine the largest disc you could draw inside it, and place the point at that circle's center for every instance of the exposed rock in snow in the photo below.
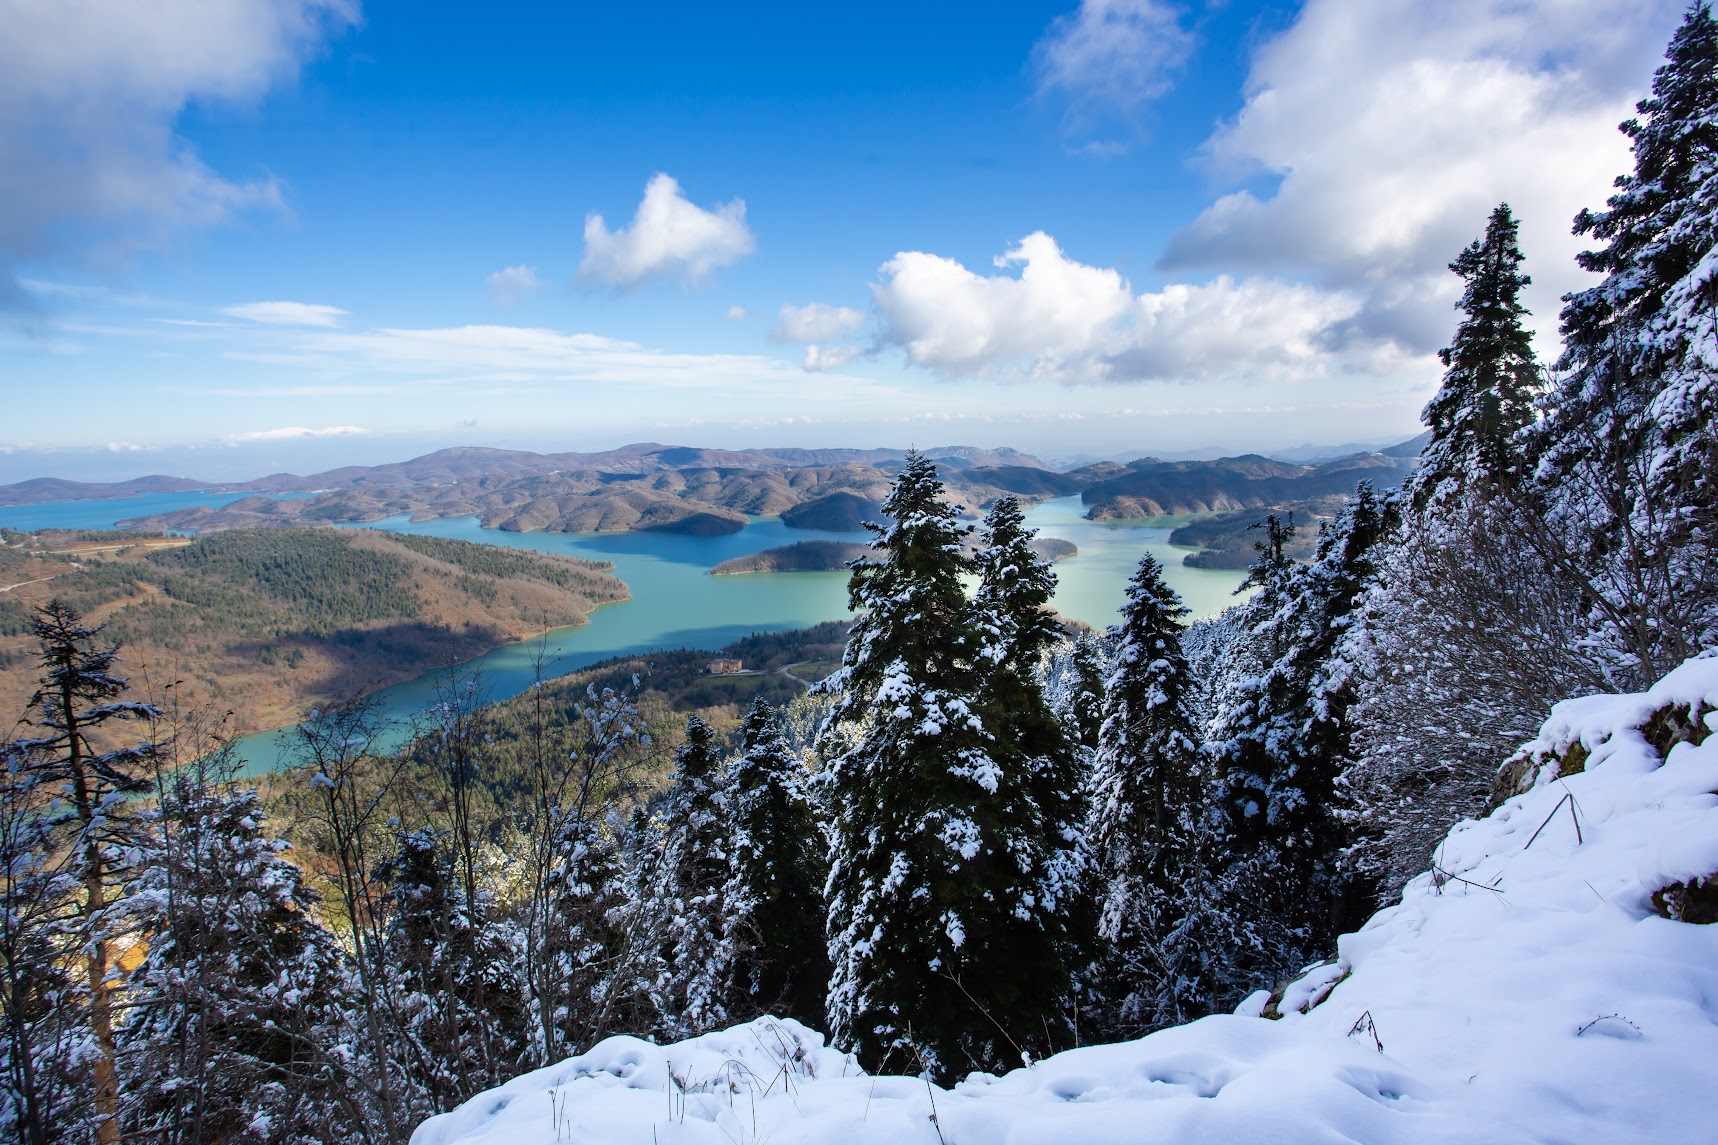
(1528, 988)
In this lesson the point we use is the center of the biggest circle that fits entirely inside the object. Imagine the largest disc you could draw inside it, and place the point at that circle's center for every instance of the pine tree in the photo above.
(225, 1039)
(79, 700)
(939, 857)
(777, 866)
(1014, 590)
(1629, 444)
(693, 874)
(1150, 823)
(1491, 378)
(1029, 740)
(1080, 697)
(1282, 739)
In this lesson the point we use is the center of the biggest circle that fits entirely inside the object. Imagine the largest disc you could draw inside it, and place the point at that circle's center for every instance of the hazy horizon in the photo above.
(237, 464)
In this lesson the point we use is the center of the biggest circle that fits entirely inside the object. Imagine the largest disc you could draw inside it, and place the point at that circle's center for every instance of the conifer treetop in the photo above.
(1491, 376)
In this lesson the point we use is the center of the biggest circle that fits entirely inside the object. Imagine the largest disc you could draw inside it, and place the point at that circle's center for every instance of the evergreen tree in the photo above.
(693, 873)
(1282, 738)
(1150, 826)
(1629, 445)
(775, 880)
(1080, 700)
(939, 857)
(1490, 378)
(228, 1011)
(80, 698)
(1014, 590)
(1029, 739)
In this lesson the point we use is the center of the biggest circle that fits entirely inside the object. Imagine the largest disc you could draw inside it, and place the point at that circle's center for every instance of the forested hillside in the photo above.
(267, 622)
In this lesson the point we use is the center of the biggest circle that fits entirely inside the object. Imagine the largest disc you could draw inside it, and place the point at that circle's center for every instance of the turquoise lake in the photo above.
(677, 604)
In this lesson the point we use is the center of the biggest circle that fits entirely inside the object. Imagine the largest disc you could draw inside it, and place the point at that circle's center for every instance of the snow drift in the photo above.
(1534, 986)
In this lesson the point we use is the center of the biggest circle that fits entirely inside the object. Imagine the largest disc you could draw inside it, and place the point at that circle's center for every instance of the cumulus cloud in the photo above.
(89, 91)
(514, 284)
(286, 313)
(669, 237)
(736, 313)
(298, 432)
(1064, 320)
(1392, 127)
(816, 322)
(1110, 57)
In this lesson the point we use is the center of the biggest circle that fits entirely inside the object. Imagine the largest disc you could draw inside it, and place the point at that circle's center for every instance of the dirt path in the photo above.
(22, 583)
(787, 670)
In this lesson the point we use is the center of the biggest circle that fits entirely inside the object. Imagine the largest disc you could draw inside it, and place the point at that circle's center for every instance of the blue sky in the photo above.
(245, 235)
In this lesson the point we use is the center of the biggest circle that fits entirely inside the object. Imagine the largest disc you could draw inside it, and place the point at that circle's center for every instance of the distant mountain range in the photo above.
(652, 487)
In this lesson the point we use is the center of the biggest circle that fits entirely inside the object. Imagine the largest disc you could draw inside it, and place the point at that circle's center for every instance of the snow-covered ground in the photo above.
(1525, 990)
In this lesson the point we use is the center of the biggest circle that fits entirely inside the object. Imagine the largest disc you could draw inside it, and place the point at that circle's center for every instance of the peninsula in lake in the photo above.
(267, 622)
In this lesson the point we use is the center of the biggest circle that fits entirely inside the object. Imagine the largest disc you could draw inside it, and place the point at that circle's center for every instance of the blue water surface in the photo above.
(676, 603)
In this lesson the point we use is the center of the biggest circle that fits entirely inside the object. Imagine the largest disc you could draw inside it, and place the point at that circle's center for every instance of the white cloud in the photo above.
(297, 433)
(736, 313)
(89, 91)
(816, 322)
(1066, 321)
(669, 236)
(1394, 126)
(126, 447)
(820, 359)
(1110, 57)
(286, 313)
(485, 360)
(514, 284)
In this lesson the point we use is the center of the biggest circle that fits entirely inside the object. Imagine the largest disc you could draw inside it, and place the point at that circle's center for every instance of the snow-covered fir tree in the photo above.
(1012, 609)
(1014, 590)
(1491, 378)
(939, 857)
(1629, 444)
(777, 864)
(233, 1014)
(690, 889)
(1077, 689)
(1282, 736)
(1469, 634)
(80, 703)
(1160, 956)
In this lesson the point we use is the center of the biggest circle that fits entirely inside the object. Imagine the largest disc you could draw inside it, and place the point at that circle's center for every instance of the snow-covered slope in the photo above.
(1527, 989)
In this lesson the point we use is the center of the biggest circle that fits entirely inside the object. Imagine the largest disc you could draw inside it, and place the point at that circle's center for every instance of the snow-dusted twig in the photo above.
(1609, 1018)
(1365, 1025)
(1441, 876)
